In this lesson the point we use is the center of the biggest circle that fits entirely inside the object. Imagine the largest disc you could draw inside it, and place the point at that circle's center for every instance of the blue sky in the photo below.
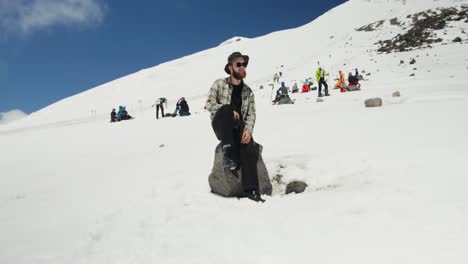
(52, 49)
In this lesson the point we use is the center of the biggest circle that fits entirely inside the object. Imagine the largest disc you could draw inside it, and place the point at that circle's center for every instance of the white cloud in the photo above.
(11, 116)
(29, 15)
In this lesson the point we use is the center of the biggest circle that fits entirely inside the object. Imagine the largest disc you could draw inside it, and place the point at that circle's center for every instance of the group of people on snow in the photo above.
(181, 109)
(353, 82)
(122, 114)
(321, 75)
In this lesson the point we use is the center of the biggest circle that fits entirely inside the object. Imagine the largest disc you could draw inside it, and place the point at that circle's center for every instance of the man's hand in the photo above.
(236, 115)
(246, 137)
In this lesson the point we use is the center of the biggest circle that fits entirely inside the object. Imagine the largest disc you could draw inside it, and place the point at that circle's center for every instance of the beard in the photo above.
(239, 75)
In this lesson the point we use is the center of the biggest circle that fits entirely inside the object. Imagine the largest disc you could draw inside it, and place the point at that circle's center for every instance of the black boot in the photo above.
(228, 162)
(255, 196)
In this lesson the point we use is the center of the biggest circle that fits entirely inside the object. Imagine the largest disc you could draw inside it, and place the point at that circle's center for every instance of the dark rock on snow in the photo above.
(285, 100)
(373, 102)
(372, 26)
(229, 184)
(296, 187)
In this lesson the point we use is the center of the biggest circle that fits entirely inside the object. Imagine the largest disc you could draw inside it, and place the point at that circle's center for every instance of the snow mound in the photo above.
(10, 116)
(233, 40)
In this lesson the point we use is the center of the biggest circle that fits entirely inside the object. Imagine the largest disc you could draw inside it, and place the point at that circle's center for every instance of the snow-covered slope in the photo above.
(386, 185)
(330, 39)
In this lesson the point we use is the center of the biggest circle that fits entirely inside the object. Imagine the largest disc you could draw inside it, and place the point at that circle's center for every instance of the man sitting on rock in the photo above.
(232, 106)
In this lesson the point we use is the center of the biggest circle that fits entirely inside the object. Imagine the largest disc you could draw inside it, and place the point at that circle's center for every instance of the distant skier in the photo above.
(341, 83)
(306, 87)
(159, 105)
(320, 75)
(353, 81)
(275, 78)
(120, 113)
(114, 116)
(282, 92)
(295, 89)
(182, 108)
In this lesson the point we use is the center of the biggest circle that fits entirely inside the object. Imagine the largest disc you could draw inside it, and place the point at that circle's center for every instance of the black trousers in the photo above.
(229, 131)
(157, 110)
(322, 81)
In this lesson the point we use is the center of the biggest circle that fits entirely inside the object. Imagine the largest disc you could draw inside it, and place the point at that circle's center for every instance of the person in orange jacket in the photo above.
(341, 83)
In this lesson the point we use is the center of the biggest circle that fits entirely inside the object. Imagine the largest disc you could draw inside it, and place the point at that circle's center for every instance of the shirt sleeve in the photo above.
(251, 115)
(212, 104)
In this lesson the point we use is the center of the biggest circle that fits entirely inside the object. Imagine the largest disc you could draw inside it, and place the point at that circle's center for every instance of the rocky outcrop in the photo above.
(371, 27)
(421, 32)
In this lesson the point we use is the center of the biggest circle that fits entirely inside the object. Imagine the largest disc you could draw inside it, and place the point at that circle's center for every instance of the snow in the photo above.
(385, 185)
(233, 40)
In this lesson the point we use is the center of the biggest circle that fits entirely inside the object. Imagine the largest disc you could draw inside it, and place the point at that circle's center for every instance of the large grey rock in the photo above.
(351, 88)
(373, 102)
(396, 94)
(229, 184)
(296, 187)
(285, 100)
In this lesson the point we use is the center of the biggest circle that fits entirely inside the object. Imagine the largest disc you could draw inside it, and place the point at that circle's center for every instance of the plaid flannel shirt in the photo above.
(220, 94)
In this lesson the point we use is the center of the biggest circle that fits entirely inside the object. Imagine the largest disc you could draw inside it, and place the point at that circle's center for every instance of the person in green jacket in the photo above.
(320, 76)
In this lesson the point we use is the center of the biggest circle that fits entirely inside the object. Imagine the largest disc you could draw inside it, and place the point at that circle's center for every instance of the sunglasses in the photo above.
(241, 64)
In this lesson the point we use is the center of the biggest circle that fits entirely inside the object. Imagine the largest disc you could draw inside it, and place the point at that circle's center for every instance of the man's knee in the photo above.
(250, 149)
(224, 112)
(225, 109)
